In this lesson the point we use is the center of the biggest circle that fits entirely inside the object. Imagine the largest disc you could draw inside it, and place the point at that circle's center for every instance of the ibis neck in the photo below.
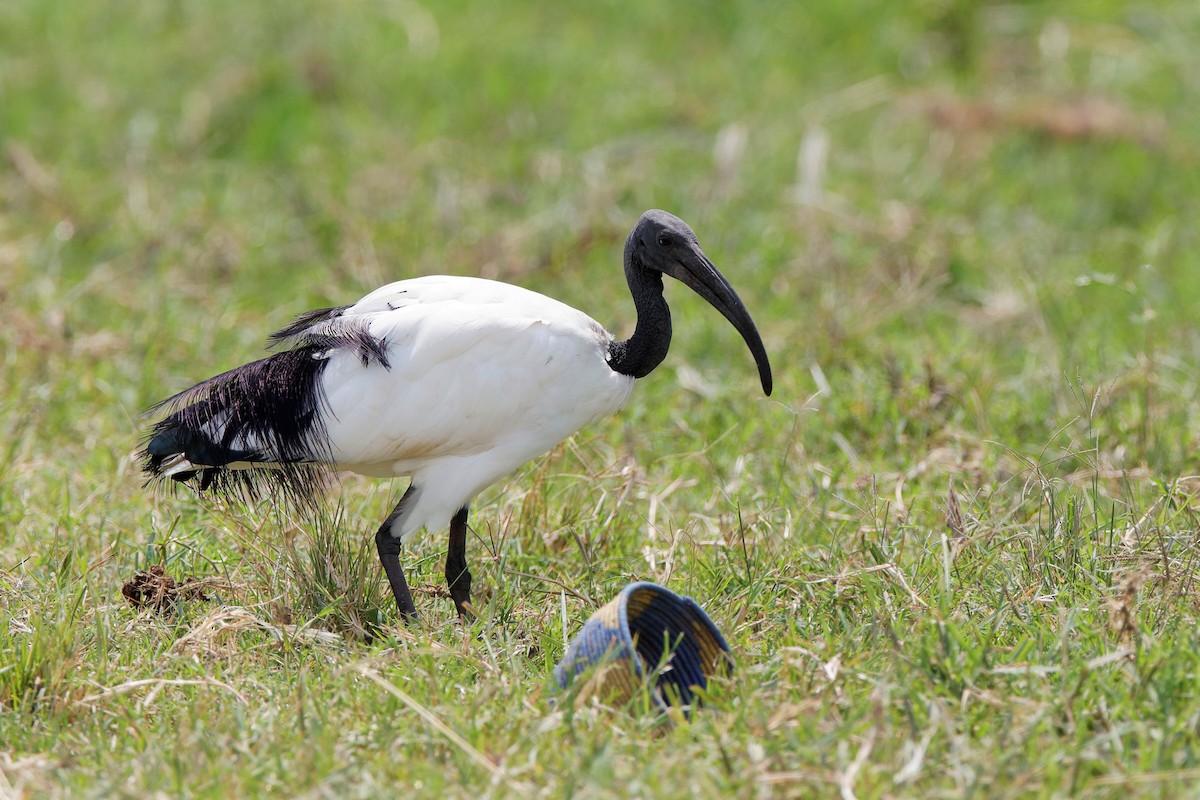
(641, 353)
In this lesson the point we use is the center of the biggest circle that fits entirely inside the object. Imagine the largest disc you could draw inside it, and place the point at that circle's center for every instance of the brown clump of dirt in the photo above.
(158, 591)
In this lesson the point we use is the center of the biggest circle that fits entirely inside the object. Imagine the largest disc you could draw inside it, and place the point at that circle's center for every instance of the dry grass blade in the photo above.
(846, 784)
(224, 621)
(891, 570)
(1149, 777)
(157, 684)
(591, 601)
(497, 772)
(24, 776)
(954, 517)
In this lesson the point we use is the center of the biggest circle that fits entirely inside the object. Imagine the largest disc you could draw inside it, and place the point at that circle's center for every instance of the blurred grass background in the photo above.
(955, 551)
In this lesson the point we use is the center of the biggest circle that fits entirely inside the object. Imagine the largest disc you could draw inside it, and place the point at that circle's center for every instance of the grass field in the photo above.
(956, 553)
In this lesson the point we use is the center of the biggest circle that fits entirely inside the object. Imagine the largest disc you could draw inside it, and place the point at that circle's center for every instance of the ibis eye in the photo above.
(664, 240)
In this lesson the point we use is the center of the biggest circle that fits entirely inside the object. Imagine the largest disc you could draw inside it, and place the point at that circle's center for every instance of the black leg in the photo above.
(389, 555)
(458, 577)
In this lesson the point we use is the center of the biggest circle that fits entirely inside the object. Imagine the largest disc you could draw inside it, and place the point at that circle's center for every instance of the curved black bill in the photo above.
(707, 281)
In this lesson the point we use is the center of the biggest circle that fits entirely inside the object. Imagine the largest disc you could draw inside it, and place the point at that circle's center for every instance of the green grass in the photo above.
(955, 553)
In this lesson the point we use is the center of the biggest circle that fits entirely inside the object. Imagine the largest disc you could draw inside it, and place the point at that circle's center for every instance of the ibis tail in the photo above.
(260, 428)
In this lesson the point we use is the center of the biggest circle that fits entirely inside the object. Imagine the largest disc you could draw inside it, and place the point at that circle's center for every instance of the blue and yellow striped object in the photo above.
(646, 636)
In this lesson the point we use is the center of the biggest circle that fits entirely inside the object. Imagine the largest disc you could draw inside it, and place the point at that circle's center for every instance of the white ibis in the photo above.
(453, 381)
